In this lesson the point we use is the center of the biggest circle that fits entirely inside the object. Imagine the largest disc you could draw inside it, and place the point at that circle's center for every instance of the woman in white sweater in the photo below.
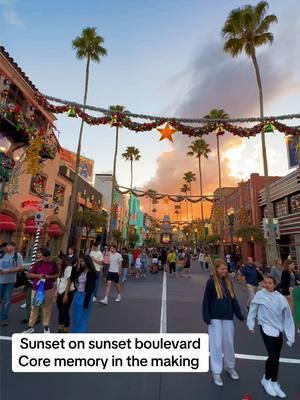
(274, 317)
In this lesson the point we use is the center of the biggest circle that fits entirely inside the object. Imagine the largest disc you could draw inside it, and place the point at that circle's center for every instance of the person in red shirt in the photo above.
(48, 270)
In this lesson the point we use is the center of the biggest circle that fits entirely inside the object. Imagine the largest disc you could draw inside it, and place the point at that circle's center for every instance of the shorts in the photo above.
(112, 276)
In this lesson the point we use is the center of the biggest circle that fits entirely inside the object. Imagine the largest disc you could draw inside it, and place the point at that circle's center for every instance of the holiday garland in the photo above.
(124, 120)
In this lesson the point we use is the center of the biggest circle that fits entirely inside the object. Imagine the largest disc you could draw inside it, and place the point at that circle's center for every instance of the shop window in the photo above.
(38, 184)
(281, 208)
(59, 194)
(295, 203)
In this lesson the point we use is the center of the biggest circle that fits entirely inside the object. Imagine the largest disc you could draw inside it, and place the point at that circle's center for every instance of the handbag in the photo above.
(39, 297)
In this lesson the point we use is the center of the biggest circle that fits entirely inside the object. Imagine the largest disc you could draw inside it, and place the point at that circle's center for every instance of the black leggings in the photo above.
(172, 267)
(273, 346)
(64, 309)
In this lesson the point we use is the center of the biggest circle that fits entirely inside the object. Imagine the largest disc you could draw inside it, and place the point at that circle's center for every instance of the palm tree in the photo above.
(185, 189)
(244, 30)
(116, 110)
(88, 46)
(190, 177)
(217, 114)
(131, 154)
(199, 148)
(178, 210)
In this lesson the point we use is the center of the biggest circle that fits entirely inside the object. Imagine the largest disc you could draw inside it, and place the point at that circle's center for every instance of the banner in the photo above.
(86, 168)
(292, 146)
(267, 230)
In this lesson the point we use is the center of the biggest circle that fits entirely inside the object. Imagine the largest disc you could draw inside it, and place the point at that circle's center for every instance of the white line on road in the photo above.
(263, 358)
(5, 337)
(163, 310)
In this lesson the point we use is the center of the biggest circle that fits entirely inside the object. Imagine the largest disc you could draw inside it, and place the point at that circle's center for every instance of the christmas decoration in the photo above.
(33, 154)
(166, 200)
(38, 184)
(269, 128)
(167, 132)
(59, 194)
(72, 112)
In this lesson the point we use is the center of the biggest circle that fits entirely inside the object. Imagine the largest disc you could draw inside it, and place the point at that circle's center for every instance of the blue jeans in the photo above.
(124, 274)
(202, 265)
(5, 296)
(97, 282)
(80, 315)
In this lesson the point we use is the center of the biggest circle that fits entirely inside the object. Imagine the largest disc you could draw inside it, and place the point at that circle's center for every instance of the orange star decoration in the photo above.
(166, 200)
(167, 132)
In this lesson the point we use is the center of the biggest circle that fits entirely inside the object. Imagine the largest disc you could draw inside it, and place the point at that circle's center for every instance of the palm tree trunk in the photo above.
(74, 194)
(187, 210)
(113, 183)
(272, 241)
(221, 223)
(201, 189)
(129, 205)
(191, 202)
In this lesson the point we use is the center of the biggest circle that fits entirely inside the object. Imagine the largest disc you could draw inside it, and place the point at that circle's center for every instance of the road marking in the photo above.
(163, 310)
(5, 337)
(263, 358)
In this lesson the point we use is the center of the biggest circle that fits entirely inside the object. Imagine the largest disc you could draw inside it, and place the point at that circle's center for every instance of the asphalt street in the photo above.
(140, 312)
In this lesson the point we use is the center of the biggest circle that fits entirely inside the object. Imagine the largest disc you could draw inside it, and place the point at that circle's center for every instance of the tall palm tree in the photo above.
(244, 30)
(131, 154)
(190, 177)
(219, 114)
(88, 46)
(199, 148)
(116, 110)
(185, 189)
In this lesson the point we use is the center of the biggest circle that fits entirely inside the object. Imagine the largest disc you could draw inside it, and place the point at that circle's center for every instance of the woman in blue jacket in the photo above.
(219, 307)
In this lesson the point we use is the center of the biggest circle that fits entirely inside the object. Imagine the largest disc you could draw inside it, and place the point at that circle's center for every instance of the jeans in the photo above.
(80, 315)
(202, 265)
(64, 309)
(273, 346)
(97, 282)
(5, 296)
(172, 267)
(124, 274)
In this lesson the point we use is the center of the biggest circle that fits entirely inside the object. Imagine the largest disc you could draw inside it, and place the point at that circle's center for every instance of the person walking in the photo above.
(113, 274)
(10, 264)
(144, 260)
(276, 271)
(83, 302)
(106, 260)
(171, 259)
(47, 271)
(97, 258)
(219, 306)
(207, 261)
(251, 275)
(65, 292)
(187, 264)
(71, 258)
(201, 260)
(125, 265)
(289, 279)
(180, 262)
(274, 317)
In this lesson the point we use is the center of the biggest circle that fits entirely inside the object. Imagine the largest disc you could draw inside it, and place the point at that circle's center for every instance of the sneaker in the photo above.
(29, 330)
(278, 390)
(217, 379)
(94, 299)
(118, 299)
(268, 386)
(4, 323)
(104, 301)
(46, 329)
(233, 374)
(23, 305)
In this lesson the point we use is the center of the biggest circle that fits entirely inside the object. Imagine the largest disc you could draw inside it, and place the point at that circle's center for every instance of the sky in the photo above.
(164, 58)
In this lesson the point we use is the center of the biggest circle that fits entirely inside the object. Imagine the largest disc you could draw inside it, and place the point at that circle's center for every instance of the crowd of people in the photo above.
(72, 282)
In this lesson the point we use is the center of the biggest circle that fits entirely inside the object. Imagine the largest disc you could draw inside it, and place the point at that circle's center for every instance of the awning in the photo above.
(7, 223)
(54, 230)
(30, 226)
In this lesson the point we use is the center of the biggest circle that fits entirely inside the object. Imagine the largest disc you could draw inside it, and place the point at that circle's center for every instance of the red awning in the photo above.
(7, 223)
(54, 230)
(30, 226)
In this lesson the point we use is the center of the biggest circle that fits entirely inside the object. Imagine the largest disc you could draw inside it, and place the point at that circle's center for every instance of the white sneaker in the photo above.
(217, 379)
(104, 301)
(233, 374)
(278, 390)
(268, 386)
(46, 330)
(29, 330)
(23, 305)
(118, 299)
(94, 299)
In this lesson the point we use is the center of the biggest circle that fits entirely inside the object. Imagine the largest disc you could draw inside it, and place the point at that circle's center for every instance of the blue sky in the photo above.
(150, 68)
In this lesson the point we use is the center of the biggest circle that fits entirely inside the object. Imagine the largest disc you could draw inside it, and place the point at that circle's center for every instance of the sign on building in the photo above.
(267, 230)
(86, 167)
(292, 148)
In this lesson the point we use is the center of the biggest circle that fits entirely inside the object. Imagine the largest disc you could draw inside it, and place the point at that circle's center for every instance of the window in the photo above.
(59, 194)
(281, 208)
(38, 184)
(295, 203)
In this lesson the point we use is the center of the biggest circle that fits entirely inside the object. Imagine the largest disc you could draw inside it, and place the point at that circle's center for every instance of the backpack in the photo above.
(21, 275)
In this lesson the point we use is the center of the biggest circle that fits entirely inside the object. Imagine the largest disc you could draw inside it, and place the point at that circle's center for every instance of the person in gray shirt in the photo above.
(276, 270)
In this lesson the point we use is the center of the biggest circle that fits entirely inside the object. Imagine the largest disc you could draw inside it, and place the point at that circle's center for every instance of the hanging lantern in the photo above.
(72, 112)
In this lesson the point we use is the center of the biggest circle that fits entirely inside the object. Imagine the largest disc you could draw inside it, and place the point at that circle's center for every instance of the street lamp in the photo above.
(231, 225)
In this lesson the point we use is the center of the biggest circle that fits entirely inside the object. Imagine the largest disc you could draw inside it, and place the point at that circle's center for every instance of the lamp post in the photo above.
(231, 225)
